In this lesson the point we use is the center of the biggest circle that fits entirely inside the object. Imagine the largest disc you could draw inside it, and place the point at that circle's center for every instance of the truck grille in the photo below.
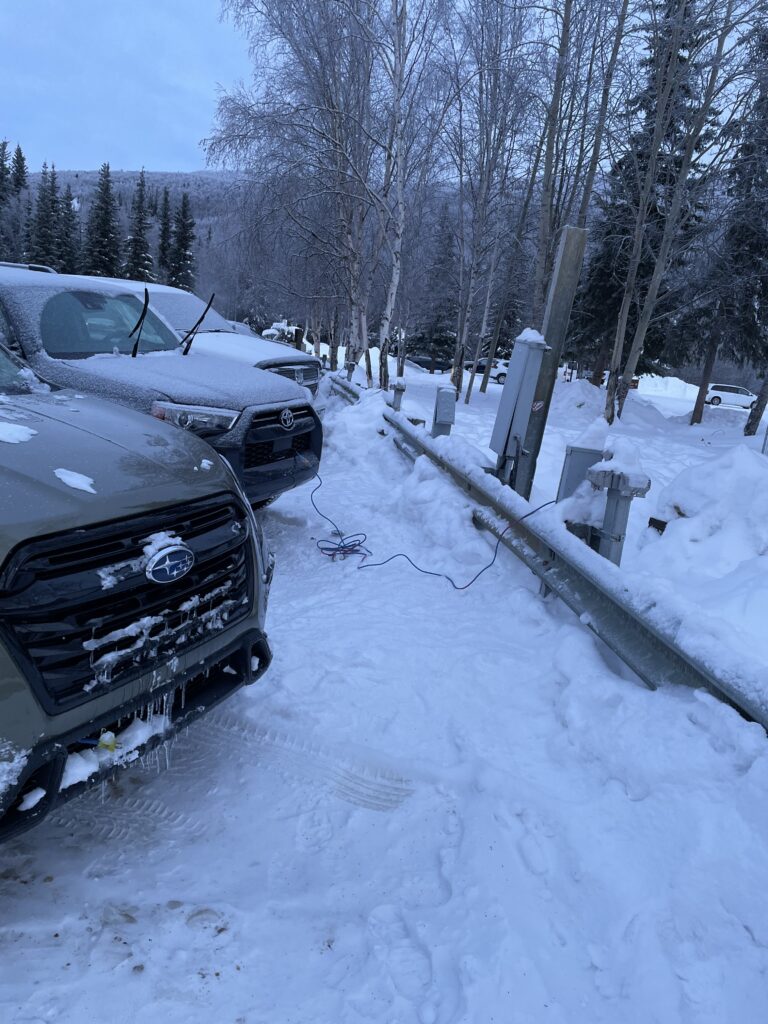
(268, 442)
(81, 615)
(306, 374)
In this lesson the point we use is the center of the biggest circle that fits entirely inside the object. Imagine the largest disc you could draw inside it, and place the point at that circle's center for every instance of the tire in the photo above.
(715, 400)
(501, 378)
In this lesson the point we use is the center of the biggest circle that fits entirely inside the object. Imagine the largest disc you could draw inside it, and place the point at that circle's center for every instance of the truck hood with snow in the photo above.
(76, 461)
(245, 348)
(196, 379)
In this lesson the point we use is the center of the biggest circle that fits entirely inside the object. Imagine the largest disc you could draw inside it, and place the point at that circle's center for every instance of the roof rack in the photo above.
(40, 267)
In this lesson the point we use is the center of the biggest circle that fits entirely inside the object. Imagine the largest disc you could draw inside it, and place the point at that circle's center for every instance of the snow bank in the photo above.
(715, 548)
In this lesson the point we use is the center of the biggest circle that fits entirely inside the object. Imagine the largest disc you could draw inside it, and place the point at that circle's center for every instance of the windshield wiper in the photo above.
(189, 337)
(139, 325)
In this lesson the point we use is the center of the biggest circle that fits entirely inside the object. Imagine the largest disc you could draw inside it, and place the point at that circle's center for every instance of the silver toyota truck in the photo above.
(133, 588)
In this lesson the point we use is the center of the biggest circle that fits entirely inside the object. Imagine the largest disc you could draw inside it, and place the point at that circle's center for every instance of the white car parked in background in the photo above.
(730, 394)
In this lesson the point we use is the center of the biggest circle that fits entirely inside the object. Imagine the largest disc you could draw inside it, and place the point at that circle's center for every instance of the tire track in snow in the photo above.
(357, 782)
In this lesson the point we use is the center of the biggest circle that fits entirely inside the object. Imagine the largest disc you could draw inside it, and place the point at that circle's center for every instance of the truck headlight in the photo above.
(199, 418)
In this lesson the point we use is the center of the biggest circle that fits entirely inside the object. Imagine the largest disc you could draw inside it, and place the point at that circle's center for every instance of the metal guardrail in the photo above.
(346, 389)
(598, 592)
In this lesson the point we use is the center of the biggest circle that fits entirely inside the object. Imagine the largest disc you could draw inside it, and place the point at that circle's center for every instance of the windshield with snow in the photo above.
(78, 324)
(182, 310)
(14, 378)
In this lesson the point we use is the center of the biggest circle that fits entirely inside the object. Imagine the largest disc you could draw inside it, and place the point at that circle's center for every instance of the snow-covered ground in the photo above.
(436, 808)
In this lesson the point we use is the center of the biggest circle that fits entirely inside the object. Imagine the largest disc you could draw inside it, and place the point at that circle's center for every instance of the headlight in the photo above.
(199, 418)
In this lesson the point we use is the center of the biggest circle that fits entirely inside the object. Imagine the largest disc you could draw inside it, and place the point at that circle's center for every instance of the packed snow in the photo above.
(440, 807)
(78, 481)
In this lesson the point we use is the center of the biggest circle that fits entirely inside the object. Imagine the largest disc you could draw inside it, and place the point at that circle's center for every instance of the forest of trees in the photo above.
(398, 172)
(408, 166)
(44, 223)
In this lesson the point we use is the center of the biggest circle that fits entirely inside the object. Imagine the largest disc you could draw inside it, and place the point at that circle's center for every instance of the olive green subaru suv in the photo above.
(133, 587)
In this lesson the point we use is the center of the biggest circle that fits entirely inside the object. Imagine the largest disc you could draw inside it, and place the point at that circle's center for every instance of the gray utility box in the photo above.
(577, 461)
(516, 401)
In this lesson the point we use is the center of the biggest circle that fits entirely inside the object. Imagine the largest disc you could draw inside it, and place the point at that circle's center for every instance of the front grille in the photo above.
(306, 374)
(79, 611)
(268, 442)
(263, 453)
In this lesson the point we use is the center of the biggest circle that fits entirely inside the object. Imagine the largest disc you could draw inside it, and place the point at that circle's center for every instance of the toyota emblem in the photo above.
(286, 419)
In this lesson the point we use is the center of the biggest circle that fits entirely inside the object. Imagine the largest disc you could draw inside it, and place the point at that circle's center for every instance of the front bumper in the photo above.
(167, 709)
(268, 458)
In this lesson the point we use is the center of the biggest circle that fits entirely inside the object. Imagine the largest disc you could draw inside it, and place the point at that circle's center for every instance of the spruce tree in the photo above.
(138, 262)
(5, 174)
(18, 171)
(164, 239)
(102, 244)
(45, 224)
(69, 235)
(181, 272)
(27, 229)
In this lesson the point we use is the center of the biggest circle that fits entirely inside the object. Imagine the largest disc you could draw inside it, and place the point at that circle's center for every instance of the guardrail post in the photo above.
(444, 415)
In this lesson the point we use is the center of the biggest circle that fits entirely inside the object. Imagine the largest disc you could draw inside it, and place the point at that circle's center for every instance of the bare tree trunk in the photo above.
(484, 323)
(710, 356)
(601, 361)
(756, 413)
(550, 131)
(586, 195)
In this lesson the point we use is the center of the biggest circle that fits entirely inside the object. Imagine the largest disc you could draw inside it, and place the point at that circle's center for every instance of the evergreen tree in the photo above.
(746, 236)
(138, 263)
(181, 271)
(102, 244)
(27, 230)
(5, 174)
(69, 235)
(18, 171)
(45, 224)
(164, 240)
(600, 299)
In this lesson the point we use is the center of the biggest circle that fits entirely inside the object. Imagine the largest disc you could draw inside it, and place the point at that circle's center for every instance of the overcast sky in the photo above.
(132, 82)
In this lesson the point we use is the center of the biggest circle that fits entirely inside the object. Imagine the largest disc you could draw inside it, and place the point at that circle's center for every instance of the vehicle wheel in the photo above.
(501, 377)
(715, 400)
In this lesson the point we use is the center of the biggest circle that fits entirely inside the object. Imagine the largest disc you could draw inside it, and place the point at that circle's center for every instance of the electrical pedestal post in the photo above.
(562, 291)
(514, 409)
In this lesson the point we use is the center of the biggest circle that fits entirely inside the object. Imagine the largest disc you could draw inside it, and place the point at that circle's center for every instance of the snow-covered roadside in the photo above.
(436, 807)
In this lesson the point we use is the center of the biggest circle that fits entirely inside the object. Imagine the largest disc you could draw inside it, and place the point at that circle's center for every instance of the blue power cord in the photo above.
(354, 544)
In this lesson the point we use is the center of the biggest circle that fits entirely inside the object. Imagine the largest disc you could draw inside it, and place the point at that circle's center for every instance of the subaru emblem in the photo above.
(170, 564)
(286, 419)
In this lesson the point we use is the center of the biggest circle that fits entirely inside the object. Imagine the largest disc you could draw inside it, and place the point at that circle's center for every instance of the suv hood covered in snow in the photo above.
(68, 461)
(254, 351)
(196, 379)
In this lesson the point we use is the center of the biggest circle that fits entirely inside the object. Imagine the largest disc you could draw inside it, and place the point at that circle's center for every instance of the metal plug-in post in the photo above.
(397, 395)
(444, 415)
(621, 490)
